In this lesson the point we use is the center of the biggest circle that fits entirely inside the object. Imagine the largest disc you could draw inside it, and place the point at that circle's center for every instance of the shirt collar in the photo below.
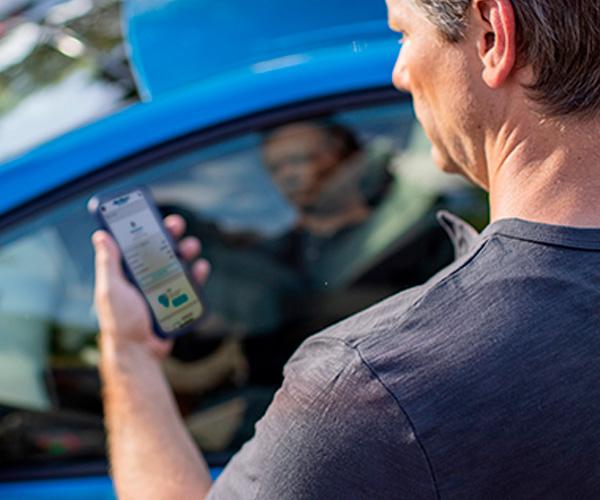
(549, 234)
(463, 236)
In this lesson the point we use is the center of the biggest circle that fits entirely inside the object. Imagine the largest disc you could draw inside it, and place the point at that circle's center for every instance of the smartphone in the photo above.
(150, 259)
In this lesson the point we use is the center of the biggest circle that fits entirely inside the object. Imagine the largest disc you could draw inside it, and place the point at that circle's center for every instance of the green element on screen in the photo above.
(164, 301)
(180, 300)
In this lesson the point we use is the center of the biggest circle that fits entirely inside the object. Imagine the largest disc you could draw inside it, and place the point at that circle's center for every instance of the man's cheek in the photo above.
(425, 118)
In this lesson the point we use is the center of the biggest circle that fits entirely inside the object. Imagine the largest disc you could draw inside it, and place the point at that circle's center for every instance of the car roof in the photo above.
(254, 85)
(175, 43)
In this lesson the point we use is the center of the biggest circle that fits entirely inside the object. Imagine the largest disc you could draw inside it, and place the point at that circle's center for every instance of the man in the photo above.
(479, 384)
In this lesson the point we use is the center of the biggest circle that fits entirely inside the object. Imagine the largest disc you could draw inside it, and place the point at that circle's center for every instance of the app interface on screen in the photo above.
(152, 261)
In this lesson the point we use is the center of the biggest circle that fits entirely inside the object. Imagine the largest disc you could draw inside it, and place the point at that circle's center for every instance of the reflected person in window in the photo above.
(333, 183)
(317, 167)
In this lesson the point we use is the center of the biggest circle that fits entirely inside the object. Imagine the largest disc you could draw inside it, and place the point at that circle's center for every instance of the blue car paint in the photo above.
(244, 91)
(94, 488)
(173, 44)
(90, 488)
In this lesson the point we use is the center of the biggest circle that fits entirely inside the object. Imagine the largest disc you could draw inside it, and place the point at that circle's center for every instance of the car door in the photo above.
(307, 213)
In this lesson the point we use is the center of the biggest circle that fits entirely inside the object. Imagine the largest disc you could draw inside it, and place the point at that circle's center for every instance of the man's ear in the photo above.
(497, 44)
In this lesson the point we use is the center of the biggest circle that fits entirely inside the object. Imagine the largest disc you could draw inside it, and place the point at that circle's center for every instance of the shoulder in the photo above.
(333, 430)
(329, 376)
(397, 314)
(416, 338)
(495, 278)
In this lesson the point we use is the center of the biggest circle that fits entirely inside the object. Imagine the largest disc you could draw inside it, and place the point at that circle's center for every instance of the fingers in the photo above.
(189, 248)
(200, 271)
(160, 347)
(175, 224)
(108, 260)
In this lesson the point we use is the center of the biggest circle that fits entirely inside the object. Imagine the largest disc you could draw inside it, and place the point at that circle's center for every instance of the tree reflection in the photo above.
(44, 42)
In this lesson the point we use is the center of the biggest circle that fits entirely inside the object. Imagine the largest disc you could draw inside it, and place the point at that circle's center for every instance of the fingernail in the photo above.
(97, 240)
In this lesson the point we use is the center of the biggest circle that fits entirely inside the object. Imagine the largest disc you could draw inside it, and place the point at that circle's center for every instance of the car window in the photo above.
(304, 223)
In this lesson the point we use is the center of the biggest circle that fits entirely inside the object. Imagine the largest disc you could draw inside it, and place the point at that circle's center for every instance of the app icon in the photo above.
(180, 300)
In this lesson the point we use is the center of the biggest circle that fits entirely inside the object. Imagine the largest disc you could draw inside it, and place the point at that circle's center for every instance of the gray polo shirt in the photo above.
(482, 383)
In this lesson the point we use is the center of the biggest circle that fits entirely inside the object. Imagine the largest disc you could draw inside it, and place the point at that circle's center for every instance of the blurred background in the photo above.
(62, 64)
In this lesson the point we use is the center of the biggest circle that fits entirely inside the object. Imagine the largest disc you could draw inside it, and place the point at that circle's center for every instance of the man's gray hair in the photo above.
(559, 38)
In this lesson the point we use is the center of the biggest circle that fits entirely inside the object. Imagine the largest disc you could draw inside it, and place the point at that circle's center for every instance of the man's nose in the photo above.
(400, 75)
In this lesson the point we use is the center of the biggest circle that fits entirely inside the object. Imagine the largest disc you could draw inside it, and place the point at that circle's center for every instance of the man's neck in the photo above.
(550, 173)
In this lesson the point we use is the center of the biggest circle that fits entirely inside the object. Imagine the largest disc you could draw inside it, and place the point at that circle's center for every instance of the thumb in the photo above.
(108, 260)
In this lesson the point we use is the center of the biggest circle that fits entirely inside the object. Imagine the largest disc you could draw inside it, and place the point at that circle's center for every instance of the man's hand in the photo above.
(151, 453)
(123, 313)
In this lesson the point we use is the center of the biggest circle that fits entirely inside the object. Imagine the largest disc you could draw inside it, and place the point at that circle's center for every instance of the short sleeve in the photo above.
(332, 431)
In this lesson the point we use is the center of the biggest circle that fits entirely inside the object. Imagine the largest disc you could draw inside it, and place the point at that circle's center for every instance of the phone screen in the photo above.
(152, 261)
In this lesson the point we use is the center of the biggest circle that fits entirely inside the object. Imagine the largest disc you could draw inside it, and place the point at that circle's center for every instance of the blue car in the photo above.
(275, 132)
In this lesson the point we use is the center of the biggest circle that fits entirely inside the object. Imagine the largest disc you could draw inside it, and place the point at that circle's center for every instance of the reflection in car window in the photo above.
(304, 223)
(62, 64)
